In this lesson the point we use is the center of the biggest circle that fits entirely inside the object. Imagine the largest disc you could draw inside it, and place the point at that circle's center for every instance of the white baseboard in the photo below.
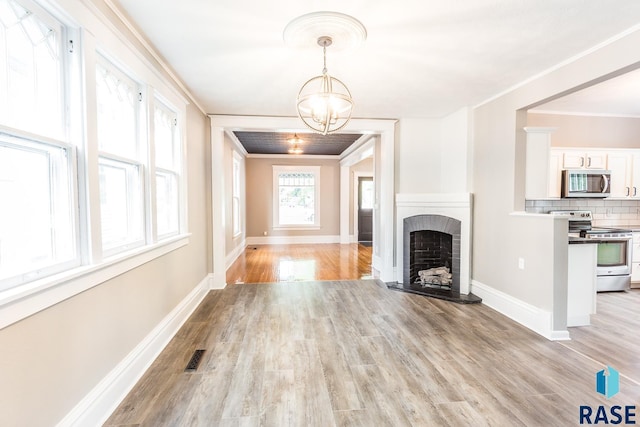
(99, 403)
(291, 240)
(231, 257)
(217, 280)
(534, 318)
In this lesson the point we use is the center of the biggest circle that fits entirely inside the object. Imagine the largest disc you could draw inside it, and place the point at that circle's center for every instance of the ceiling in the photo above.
(312, 143)
(619, 96)
(421, 58)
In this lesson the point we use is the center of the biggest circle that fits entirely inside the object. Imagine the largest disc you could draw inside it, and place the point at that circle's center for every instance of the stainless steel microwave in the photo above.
(586, 183)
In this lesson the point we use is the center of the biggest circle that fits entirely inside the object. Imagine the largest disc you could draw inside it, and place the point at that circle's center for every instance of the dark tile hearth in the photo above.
(442, 294)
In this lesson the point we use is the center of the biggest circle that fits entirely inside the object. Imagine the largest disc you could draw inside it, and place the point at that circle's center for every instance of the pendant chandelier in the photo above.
(324, 103)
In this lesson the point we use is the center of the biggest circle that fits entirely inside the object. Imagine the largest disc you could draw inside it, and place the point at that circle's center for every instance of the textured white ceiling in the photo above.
(422, 58)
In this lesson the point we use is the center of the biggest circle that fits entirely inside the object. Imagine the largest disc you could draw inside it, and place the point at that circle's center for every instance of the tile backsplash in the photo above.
(606, 212)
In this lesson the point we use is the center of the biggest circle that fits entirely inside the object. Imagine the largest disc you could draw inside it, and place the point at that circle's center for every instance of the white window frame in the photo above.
(277, 170)
(63, 172)
(176, 171)
(87, 33)
(133, 163)
(236, 197)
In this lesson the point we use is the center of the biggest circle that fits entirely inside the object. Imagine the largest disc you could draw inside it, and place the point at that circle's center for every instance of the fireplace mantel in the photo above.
(454, 205)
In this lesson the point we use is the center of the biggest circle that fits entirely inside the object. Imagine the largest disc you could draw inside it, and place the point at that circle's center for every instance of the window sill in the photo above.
(25, 300)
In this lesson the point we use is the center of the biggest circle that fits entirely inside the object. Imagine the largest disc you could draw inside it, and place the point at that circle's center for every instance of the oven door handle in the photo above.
(604, 184)
(614, 239)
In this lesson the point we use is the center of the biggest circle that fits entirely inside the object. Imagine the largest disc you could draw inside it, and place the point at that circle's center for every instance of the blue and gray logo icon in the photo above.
(608, 382)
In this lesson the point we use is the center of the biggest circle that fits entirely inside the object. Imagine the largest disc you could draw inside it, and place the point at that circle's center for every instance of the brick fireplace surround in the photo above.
(448, 214)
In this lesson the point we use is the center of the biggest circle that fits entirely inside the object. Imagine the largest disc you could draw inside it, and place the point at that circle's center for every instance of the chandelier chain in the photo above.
(324, 55)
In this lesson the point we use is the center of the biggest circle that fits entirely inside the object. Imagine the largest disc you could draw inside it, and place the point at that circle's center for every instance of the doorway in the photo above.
(365, 210)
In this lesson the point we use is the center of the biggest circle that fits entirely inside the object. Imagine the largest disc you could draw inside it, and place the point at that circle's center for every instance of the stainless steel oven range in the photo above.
(614, 249)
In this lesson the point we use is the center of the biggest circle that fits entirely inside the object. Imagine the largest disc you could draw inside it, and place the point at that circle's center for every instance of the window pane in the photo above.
(366, 192)
(236, 215)
(120, 203)
(167, 203)
(30, 71)
(36, 219)
(296, 199)
(164, 121)
(117, 99)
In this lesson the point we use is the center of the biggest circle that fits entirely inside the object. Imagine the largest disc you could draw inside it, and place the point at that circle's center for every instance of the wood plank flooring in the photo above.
(353, 353)
(285, 263)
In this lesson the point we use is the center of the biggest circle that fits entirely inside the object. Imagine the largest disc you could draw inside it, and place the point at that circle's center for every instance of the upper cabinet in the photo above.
(576, 159)
(571, 158)
(625, 173)
(544, 166)
(537, 178)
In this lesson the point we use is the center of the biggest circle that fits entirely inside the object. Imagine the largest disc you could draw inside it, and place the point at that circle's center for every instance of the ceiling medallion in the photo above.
(324, 103)
(304, 31)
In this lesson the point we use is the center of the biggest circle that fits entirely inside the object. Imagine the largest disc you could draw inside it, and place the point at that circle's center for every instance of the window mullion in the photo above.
(150, 154)
(90, 193)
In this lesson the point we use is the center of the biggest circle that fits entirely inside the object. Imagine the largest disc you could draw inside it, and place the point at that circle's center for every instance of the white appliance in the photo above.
(614, 250)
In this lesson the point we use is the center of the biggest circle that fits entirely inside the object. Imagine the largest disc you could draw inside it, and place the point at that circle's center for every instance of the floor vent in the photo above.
(195, 361)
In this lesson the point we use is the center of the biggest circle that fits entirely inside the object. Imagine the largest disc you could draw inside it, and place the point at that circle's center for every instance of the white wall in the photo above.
(455, 149)
(434, 155)
(418, 156)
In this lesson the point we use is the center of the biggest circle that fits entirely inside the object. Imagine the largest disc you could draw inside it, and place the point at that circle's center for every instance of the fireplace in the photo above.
(430, 250)
(434, 245)
(430, 241)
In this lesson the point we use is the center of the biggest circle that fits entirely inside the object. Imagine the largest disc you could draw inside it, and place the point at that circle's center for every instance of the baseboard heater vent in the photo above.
(195, 361)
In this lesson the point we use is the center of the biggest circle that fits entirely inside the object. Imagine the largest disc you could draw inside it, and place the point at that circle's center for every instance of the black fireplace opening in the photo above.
(431, 258)
(429, 249)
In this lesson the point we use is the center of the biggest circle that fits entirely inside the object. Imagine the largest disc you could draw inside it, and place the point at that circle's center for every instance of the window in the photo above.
(235, 204)
(121, 172)
(38, 218)
(87, 192)
(168, 170)
(31, 69)
(296, 196)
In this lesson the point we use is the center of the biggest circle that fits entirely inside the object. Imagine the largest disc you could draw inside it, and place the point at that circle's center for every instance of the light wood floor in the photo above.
(353, 353)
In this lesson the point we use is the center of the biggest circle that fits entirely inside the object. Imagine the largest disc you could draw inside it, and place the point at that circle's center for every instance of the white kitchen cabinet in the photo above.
(625, 173)
(635, 261)
(537, 162)
(581, 283)
(576, 159)
(635, 175)
(555, 173)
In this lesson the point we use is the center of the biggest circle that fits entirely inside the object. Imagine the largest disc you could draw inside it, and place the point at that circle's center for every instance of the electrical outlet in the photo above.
(521, 263)
(264, 233)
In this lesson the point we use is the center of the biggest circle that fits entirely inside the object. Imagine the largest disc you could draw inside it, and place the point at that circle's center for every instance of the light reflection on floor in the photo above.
(302, 262)
(290, 270)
